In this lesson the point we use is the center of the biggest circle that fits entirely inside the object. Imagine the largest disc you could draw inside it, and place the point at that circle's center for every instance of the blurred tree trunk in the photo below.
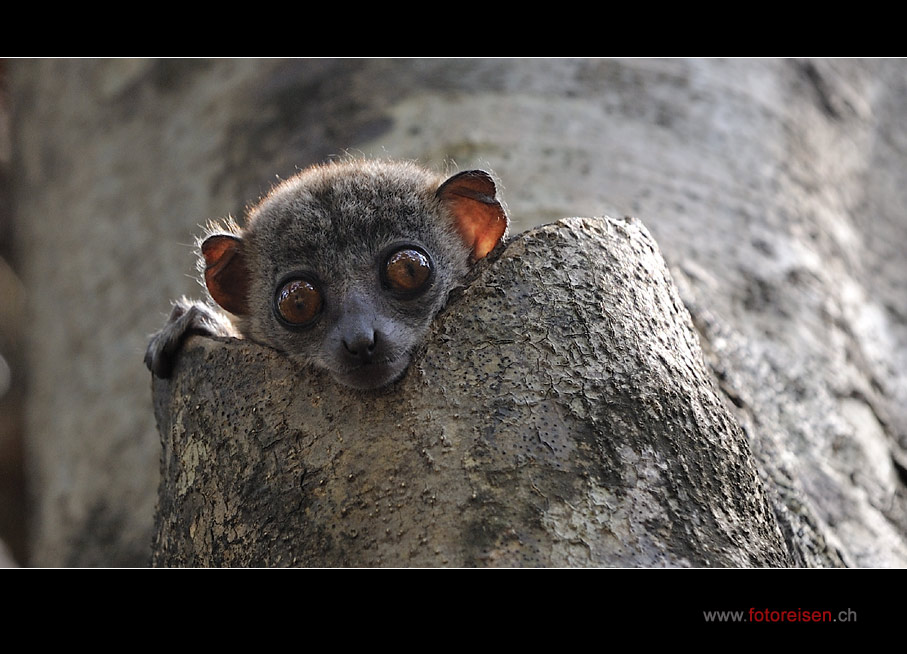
(775, 189)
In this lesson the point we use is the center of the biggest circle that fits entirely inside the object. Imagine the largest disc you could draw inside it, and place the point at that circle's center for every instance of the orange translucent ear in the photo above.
(478, 216)
(226, 273)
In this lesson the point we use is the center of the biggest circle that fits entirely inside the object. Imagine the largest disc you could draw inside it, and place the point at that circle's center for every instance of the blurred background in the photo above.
(12, 370)
(776, 189)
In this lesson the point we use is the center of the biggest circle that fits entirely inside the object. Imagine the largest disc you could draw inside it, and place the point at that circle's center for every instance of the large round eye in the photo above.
(298, 302)
(407, 271)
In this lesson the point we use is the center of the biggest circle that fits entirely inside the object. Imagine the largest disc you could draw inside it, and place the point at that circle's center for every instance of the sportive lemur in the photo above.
(342, 267)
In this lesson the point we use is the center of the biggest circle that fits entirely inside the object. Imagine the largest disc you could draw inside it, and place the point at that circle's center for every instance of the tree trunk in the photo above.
(561, 415)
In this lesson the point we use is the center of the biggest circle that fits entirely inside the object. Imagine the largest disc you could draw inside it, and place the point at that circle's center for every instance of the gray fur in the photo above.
(336, 223)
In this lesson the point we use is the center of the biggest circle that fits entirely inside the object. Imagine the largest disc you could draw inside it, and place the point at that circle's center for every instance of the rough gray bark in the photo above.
(776, 190)
(561, 415)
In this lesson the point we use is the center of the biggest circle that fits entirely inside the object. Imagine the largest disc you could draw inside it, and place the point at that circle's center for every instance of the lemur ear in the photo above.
(478, 216)
(226, 273)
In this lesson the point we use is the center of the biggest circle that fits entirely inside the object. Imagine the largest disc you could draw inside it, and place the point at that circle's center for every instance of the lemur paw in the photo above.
(187, 318)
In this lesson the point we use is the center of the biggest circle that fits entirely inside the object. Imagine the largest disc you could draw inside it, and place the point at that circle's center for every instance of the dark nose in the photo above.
(361, 345)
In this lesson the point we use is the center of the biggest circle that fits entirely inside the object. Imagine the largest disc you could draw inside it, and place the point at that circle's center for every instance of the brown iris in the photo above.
(407, 271)
(299, 302)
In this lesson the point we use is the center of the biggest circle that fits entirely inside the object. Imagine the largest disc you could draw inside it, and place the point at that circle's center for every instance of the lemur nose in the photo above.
(361, 345)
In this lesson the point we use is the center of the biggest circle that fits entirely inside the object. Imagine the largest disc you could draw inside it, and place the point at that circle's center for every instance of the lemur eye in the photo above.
(298, 302)
(407, 271)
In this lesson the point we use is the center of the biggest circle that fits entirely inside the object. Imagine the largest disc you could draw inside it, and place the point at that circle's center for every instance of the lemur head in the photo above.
(344, 265)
